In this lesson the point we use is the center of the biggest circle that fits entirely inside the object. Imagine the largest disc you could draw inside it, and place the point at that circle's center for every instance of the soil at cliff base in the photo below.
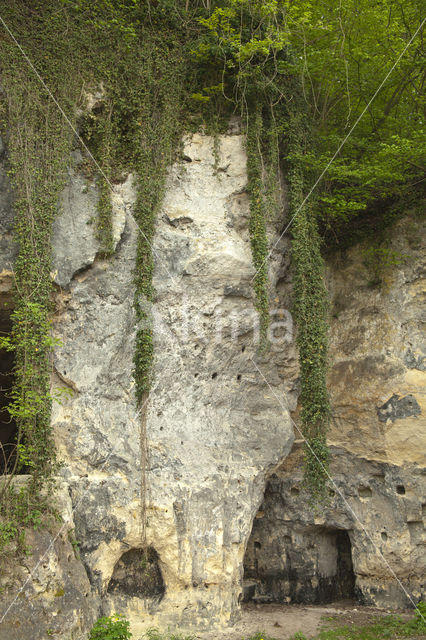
(283, 621)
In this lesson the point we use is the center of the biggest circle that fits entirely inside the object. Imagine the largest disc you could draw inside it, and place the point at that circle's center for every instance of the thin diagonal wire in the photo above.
(68, 121)
(84, 494)
(340, 493)
(74, 130)
(141, 231)
(339, 148)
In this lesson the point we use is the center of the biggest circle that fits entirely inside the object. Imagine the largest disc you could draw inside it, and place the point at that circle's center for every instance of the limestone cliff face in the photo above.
(213, 429)
(378, 375)
(378, 439)
(186, 476)
(190, 487)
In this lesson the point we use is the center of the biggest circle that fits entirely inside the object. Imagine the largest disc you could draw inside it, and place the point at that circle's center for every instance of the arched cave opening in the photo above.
(294, 562)
(8, 428)
(137, 573)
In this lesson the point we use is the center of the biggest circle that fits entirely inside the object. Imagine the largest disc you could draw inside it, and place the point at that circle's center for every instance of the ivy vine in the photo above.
(135, 127)
(310, 304)
(258, 219)
(264, 60)
(39, 144)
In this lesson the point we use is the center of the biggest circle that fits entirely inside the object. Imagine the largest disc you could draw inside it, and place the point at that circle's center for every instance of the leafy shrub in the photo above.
(111, 628)
(379, 260)
(419, 622)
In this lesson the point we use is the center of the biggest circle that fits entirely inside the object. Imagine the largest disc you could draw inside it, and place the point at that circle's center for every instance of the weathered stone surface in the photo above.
(294, 556)
(74, 231)
(415, 361)
(75, 244)
(74, 240)
(372, 331)
(378, 450)
(96, 428)
(214, 429)
(47, 593)
(397, 408)
(217, 421)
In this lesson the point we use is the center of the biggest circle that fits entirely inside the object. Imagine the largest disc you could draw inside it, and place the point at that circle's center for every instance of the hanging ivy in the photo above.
(39, 145)
(310, 305)
(258, 219)
(265, 89)
(135, 128)
(298, 86)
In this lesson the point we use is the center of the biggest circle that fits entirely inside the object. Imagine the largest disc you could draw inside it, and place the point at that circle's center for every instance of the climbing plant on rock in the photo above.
(310, 69)
(257, 222)
(259, 74)
(136, 127)
(310, 305)
(39, 143)
(300, 76)
(131, 53)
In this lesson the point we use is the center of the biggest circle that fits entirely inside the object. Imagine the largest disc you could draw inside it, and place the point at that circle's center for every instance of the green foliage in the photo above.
(30, 397)
(344, 52)
(98, 136)
(379, 260)
(134, 128)
(341, 53)
(300, 74)
(311, 69)
(111, 628)
(39, 144)
(159, 137)
(8, 533)
(391, 626)
(419, 621)
(249, 41)
(310, 309)
(257, 222)
(27, 506)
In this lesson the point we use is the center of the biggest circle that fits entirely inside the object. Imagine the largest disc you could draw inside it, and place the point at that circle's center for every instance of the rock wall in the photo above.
(378, 440)
(7, 246)
(213, 429)
(184, 478)
(46, 593)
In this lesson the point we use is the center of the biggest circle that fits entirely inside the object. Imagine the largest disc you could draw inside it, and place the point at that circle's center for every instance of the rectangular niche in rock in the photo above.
(292, 563)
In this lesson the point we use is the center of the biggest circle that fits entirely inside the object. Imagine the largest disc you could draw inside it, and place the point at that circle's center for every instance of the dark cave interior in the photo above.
(296, 563)
(8, 428)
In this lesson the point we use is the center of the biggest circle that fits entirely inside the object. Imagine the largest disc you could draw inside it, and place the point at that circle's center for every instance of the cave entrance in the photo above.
(8, 427)
(345, 568)
(137, 573)
(295, 563)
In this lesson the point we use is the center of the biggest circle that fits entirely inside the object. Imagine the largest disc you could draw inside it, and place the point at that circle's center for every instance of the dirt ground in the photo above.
(283, 621)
